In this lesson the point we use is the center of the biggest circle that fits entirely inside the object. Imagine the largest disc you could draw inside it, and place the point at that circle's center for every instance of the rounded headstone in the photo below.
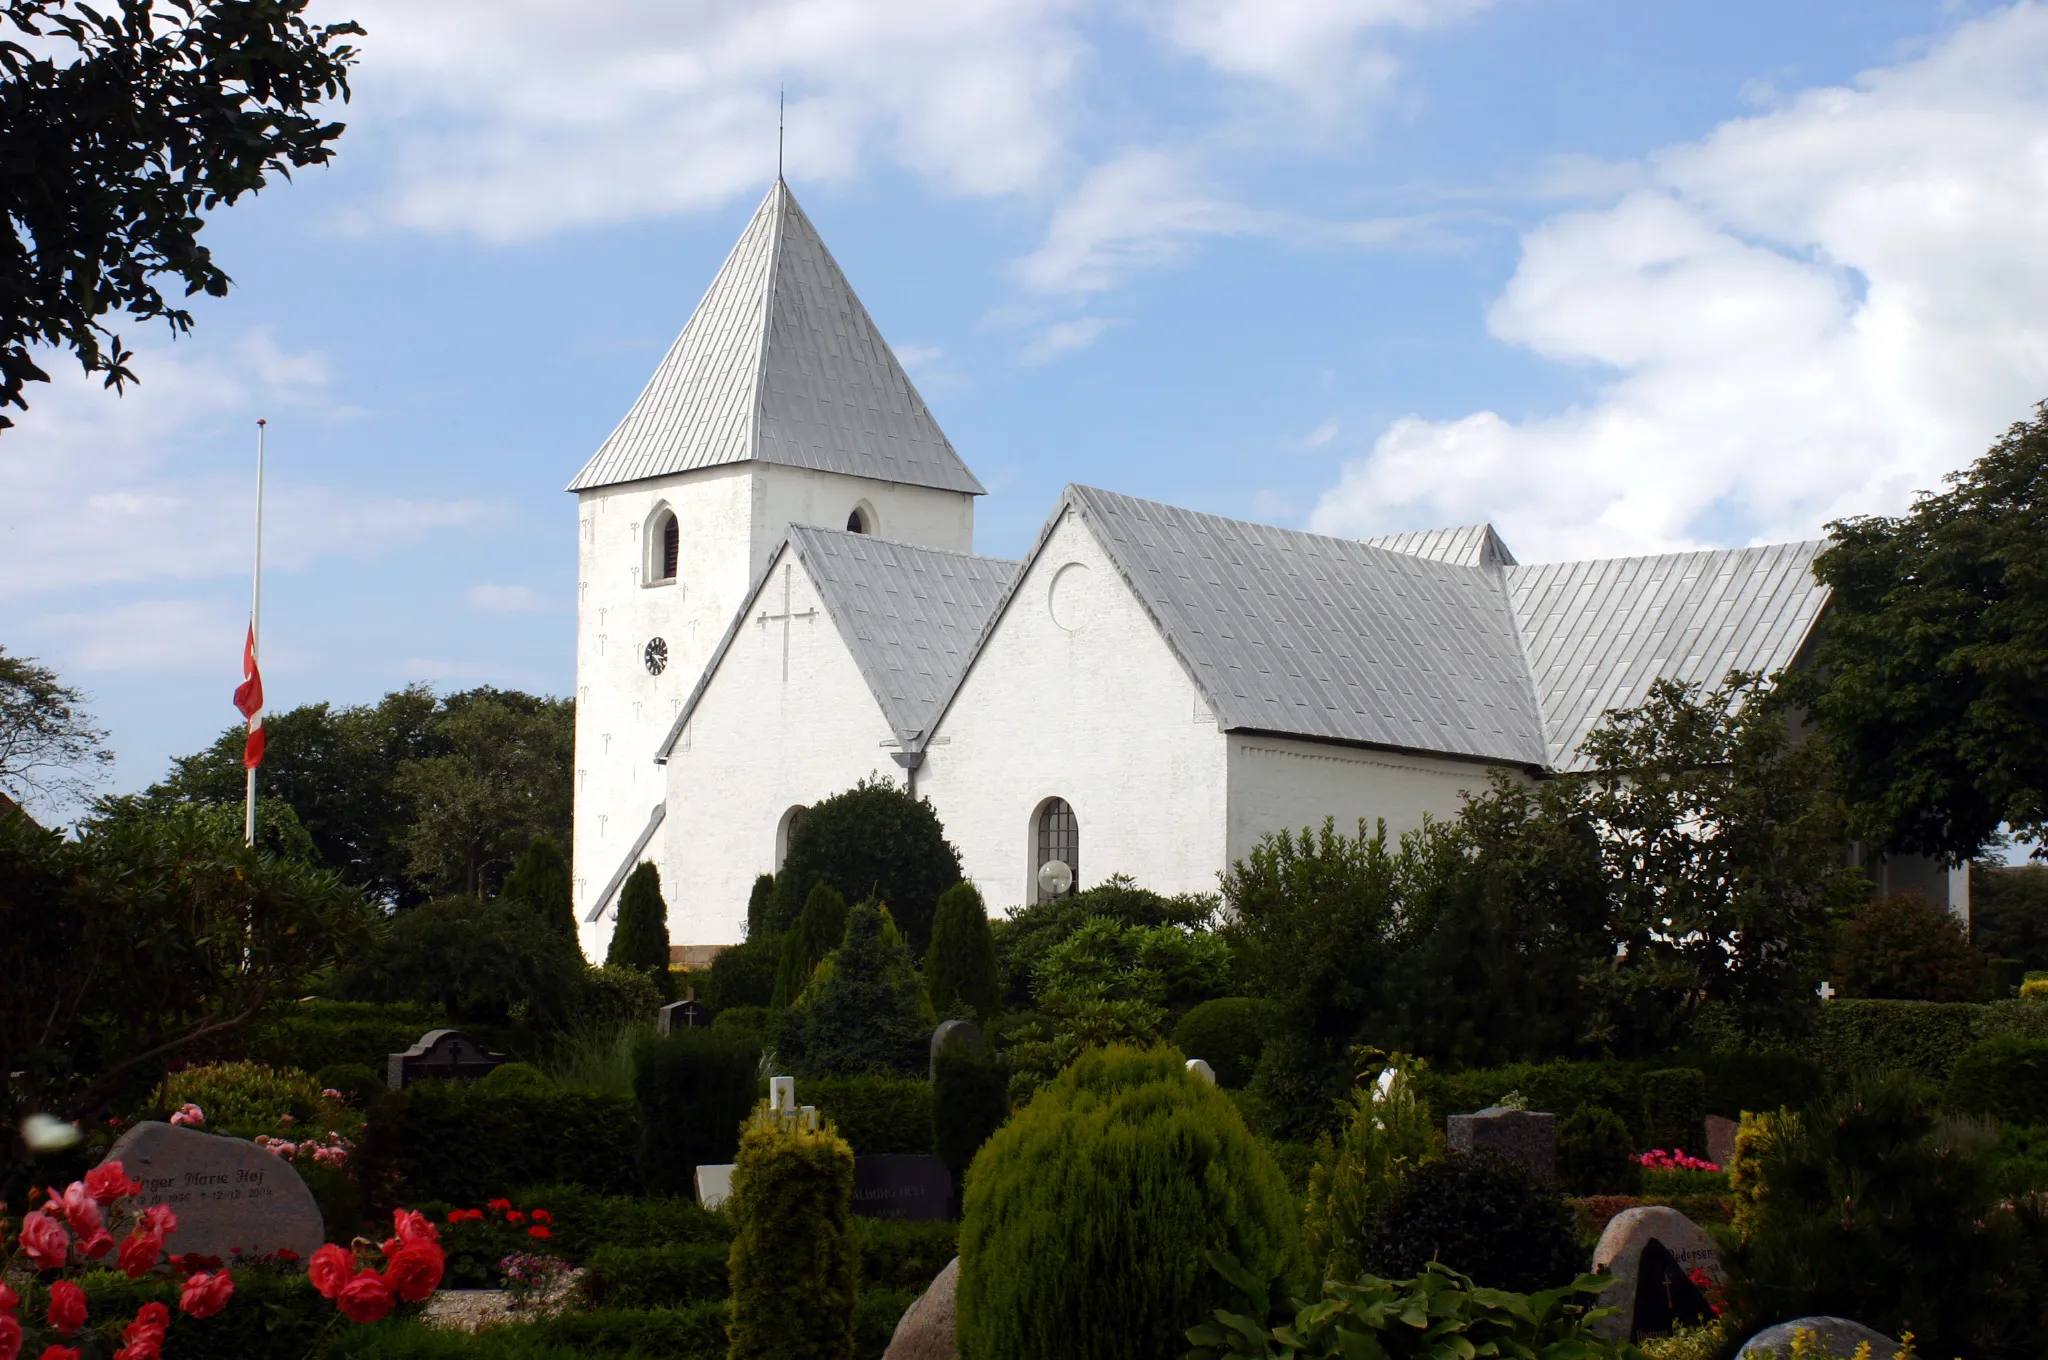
(956, 1034)
(1200, 1067)
(229, 1195)
(926, 1331)
(1835, 1337)
(1620, 1254)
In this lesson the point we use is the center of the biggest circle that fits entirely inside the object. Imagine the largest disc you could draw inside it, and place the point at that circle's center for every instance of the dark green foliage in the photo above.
(818, 931)
(866, 1013)
(1932, 673)
(1753, 1081)
(1925, 1037)
(960, 966)
(474, 960)
(794, 1260)
(1595, 1154)
(640, 939)
(612, 997)
(1553, 1087)
(744, 974)
(1478, 1213)
(874, 1114)
(2009, 911)
(310, 1035)
(760, 905)
(875, 1315)
(694, 1088)
(1227, 1033)
(750, 1019)
(358, 1083)
(667, 1276)
(1297, 1085)
(1675, 1110)
(2005, 1077)
(467, 1144)
(584, 1221)
(541, 881)
(271, 1314)
(695, 1332)
(903, 1254)
(1873, 1208)
(970, 1101)
(873, 841)
(1023, 939)
(1088, 1214)
(48, 743)
(1905, 948)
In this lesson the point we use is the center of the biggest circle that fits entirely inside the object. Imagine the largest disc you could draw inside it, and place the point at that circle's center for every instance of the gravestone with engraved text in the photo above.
(901, 1185)
(440, 1055)
(230, 1196)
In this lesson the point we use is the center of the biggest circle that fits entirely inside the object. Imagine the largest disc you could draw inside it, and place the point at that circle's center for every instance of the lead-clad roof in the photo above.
(780, 362)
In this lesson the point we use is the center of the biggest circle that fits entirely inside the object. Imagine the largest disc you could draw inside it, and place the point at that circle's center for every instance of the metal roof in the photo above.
(1328, 638)
(1598, 633)
(1472, 545)
(780, 362)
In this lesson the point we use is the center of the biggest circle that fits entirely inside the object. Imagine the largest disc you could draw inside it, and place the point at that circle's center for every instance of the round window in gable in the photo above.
(656, 657)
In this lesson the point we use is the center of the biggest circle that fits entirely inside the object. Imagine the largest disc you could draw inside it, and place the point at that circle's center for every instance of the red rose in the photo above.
(9, 1300)
(414, 1272)
(160, 1220)
(67, 1307)
(152, 1317)
(59, 1353)
(109, 1181)
(498, 1204)
(80, 1211)
(10, 1336)
(98, 1245)
(366, 1298)
(331, 1270)
(45, 1240)
(539, 1230)
(543, 1216)
(139, 1251)
(207, 1294)
(514, 1216)
(412, 1226)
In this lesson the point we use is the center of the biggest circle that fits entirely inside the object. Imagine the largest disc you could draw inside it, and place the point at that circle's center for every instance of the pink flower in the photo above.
(67, 1307)
(411, 1226)
(98, 1245)
(333, 1267)
(206, 1294)
(81, 1211)
(190, 1115)
(10, 1336)
(286, 1119)
(45, 1240)
(109, 1181)
(160, 1219)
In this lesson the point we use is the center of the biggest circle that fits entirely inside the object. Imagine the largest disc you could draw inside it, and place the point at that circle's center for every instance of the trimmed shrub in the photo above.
(818, 931)
(696, 1332)
(960, 966)
(615, 996)
(1228, 1033)
(541, 880)
(742, 1020)
(271, 1314)
(312, 1035)
(744, 974)
(902, 1253)
(760, 904)
(2005, 1077)
(514, 1076)
(1923, 1037)
(475, 961)
(584, 1222)
(468, 1144)
(694, 1089)
(1479, 1213)
(2022, 1018)
(793, 1260)
(1675, 1110)
(875, 1315)
(640, 938)
(874, 1114)
(865, 1012)
(1906, 948)
(1595, 1155)
(667, 1276)
(1551, 1087)
(873, 841)
(243, 1099)
(1753, 1081)
(970, 1101)
(1089, 1212)
(358, 1083)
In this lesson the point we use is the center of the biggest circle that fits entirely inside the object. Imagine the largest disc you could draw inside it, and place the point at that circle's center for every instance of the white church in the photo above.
(778, 596)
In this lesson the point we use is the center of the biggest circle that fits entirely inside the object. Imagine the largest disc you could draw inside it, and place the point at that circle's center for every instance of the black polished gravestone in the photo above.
(901, 1185)
(440, 1055)
(1666, 1298)
(689, 1013)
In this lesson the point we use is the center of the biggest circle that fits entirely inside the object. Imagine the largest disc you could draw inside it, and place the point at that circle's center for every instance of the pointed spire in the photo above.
(781, 363)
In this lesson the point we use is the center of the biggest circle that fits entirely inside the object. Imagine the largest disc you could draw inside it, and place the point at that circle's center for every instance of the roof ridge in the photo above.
(826, 529)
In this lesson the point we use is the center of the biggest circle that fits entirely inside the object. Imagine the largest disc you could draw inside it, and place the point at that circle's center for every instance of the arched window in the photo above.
(663, 544)
(671, 544)
(1057, 837)
(856, 523)
(785, 832)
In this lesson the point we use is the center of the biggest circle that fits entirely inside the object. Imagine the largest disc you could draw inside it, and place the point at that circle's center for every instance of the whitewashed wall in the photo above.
(756, 745)
(922, 515)
(1091, 707)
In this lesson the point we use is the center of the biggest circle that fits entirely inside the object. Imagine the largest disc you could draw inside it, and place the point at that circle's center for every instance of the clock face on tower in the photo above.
(656, 657)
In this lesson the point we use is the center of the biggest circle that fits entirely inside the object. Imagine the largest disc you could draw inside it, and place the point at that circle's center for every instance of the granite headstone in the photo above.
(1721, 1132)
(230, 1196)
(950, 1033)
(1622, 1253)
(901, 1185)
(1519, 1135)
(689, 1013)
(928, 1330)
(440, 1055)
(1837, 1338)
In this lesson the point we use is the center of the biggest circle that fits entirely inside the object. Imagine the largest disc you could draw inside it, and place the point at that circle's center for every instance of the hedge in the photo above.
(271, 1314)
(2005, 1077)
(693, 1088)
(666, 1276)
(903, 1254)
(873, 1114)
(468, 1144)
(1734, 1082)
(314, 1034)
(693, 1333)
(583, 1222)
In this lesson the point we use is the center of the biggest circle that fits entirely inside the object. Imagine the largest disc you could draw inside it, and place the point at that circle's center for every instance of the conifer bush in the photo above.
(760, 903)
(1388, 1134)
(2005, 1077)
(970, 1101)
(1089, 1213)
(793, 1264)
(1675, 1109)
(541, 880)
(640, 939)
(960, 966)
(744, 974)
(1478, 1213)
(1595, 1155)
(694, 1088)
(872, 841)
(865, 1011)
(818, 931)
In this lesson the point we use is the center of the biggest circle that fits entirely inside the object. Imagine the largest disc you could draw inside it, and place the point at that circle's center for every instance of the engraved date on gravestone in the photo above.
(229, 1195)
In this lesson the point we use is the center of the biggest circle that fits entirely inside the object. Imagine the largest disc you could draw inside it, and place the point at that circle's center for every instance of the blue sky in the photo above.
(1618, 277)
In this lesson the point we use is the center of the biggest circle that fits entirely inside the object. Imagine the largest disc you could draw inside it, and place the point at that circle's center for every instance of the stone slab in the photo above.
(952, 1032)
(1721, 1133)
(1838, 1338)
(901, 1185)
(714, 1184)
(927, 1330)
(229, 1195)
(440, 1055)
(1620, 1254)
(1523, 1136)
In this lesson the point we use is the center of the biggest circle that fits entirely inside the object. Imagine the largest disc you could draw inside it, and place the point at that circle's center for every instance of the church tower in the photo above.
(779, 404)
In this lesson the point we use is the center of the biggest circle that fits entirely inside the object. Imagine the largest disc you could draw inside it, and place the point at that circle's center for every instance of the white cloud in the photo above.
(1321, 435)
(1063, 336)
(497, 599)
(86, 497)
(1324, 50)
(154, 635)
(1808, 313)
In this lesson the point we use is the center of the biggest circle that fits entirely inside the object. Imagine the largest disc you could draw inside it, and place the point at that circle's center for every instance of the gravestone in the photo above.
(952, 1033)
(928, 1330)
(1519, 1135)
(1623, 1252)
(1837, 1339)
(1666, 1297)
(714, 1184)
(782, 1095)
(229, 1195)
(689, 1013)
(1200, 1067)
(1721, 1132)
(901, 1185)
(440, 1055)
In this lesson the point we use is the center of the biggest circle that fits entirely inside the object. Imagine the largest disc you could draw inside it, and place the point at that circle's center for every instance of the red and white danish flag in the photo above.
(249, 699)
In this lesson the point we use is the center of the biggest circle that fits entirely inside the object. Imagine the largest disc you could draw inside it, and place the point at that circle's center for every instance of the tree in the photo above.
(1905, 948)
(760, 905)
(1025, 937)
(818, 932)
(541, 881)
(960, 966)
(1932, 672)
(476, 960)
(49, 747)
(504, 780)
(872, 841)
(640, 938)
(122, 128)
(2009, 912)
(865, 1011)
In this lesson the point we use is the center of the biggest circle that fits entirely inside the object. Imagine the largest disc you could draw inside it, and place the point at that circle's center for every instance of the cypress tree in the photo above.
(760, 904)
(541, 881)
(795, 1259)
(640, 941)
(818, 932)
(960, 967)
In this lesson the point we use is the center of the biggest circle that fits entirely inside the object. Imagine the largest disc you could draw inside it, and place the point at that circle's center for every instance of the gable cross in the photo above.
(784, 618)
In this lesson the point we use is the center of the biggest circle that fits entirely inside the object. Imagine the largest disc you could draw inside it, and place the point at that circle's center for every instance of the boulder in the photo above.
(1835, 1337)
(926, 1331)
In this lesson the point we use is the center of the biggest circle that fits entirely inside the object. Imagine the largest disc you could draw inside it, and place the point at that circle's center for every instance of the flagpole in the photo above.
(255, 626)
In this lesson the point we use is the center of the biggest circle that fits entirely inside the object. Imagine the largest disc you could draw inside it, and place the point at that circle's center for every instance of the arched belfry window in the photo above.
(671, 546)
(664, 543)
(856, 523)
(1057, 836)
